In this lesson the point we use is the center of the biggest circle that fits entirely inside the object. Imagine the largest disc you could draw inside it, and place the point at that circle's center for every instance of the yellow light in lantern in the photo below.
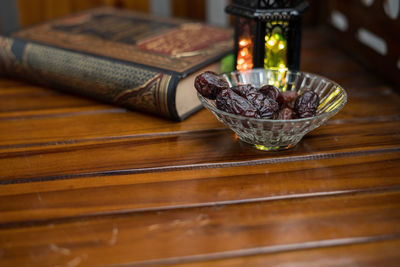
(271, 42)
(244, 56)
(244, 52)
(277, 35)
(275, 46)
(243, 43)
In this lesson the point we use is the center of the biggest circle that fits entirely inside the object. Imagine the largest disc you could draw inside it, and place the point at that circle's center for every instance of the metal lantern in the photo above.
(267, 33)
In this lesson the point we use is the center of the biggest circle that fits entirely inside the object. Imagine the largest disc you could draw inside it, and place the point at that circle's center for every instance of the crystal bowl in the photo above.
(271, 135)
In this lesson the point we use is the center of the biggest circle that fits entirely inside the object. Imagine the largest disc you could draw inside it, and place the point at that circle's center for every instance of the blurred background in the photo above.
(368, 30)
(27, 12)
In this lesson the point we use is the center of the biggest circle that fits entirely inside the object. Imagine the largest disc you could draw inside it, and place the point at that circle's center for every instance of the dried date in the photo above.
(273, 93)
(244, 90)
(266, 102)
(285, 114)
(267, 108)
(306, 104)
(289, 97)
(229, 101)
(209, 84)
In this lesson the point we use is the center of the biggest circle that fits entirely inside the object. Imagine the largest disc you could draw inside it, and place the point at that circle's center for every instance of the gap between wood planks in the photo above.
(326, 243)
(94, 215)
(375, 119)
(203, 165)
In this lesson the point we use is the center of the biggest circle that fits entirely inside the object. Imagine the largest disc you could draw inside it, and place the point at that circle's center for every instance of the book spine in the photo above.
(107, 80)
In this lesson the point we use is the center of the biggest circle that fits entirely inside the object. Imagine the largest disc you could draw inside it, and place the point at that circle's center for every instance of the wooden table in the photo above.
(82, 183)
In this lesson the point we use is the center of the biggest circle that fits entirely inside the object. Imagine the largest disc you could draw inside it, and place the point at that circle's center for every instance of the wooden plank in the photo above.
(77, 109)
(66, 126)
(43, 119)
(26, 97)
(381, 253)
(317, 49)
(158, 236)
(96, 185)
(6, 82)
(55, 200)
(21, 101)
(188, 150)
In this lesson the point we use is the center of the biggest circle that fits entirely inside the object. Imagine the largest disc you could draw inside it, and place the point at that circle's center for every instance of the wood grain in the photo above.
(70, 118)
(87, 184)
(24, 100)
(130, 237)
(6, 82)
(175, 151)
(371, 253)
(205, 187)
(53, 111)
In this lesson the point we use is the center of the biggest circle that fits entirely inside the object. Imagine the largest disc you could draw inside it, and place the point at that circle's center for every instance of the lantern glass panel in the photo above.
(245, 43)
(276, 45)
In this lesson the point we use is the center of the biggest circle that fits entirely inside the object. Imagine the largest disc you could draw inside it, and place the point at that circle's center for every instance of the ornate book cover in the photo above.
(130, 59)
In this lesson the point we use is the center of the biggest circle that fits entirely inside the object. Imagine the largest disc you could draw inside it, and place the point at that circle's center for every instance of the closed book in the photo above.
(134, 60)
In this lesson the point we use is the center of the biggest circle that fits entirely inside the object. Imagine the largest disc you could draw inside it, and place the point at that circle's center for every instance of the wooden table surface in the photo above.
(87, 184)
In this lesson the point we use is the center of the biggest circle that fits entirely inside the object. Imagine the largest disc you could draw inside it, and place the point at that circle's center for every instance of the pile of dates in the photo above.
(266, 102)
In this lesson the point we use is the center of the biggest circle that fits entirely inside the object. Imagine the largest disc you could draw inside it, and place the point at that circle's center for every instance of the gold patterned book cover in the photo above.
(130, 59)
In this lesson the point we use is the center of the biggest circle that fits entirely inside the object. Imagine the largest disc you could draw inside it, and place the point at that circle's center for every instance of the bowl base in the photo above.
(272, 148)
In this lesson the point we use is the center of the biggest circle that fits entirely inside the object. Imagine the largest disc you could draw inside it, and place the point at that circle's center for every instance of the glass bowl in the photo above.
(270, 135)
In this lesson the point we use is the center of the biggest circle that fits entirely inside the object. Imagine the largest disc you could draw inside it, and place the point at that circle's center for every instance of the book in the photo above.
(134, 60)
